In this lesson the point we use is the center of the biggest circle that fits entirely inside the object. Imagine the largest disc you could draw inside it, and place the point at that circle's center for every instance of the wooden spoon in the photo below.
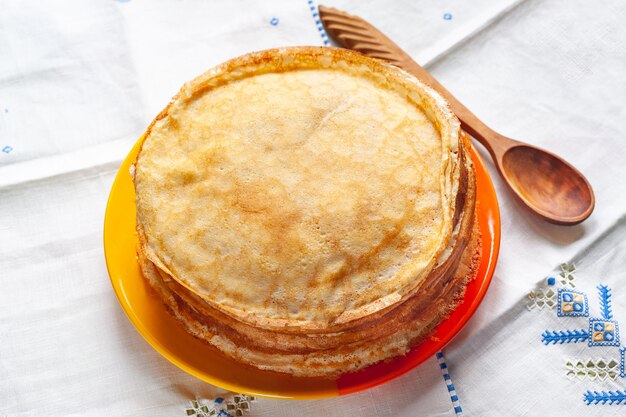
(544, 182)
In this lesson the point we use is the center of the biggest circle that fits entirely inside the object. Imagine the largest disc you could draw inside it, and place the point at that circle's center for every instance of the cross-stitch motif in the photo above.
(600, 369)
(541, 299)
(572, 303)
(201, 409)
(543, 296)
(603, 332)
(239, 405)
(567, 274)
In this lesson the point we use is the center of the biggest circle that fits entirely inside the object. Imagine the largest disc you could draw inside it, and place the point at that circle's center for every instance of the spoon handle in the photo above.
(355, 33)
(495, 143)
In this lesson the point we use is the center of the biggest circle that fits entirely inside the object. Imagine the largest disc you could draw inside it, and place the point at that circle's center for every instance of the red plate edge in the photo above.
(488, 217)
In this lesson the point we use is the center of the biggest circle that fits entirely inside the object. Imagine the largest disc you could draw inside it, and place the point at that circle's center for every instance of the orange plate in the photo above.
(199, 359)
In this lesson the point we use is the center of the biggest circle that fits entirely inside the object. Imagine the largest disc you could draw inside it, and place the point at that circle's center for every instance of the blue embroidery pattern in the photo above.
(613, 397)
(7, 149)
(318, 22)
(451, 390)
(564, 336)
(572, 303)
(447, 16)
(603, 332)
(605, 301)
(274, 21)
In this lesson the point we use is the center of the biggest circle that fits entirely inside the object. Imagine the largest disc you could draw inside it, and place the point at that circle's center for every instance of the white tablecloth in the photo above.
(80, 81)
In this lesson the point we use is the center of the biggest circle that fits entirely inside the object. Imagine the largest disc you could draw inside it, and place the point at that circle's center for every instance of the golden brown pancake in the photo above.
(307, 210)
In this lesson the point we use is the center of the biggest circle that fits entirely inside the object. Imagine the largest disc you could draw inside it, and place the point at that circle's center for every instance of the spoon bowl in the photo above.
(553, 188)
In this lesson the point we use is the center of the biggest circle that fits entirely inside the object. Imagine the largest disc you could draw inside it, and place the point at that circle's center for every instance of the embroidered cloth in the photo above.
(80, 81)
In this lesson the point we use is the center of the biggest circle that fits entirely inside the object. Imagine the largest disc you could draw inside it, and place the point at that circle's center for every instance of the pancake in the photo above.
(307, 210)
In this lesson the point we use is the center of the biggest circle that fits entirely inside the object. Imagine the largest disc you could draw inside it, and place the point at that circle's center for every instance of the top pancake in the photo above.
(301, 187)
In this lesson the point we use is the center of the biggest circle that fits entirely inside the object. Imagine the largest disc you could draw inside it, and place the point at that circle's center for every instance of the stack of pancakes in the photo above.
(307, 210)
